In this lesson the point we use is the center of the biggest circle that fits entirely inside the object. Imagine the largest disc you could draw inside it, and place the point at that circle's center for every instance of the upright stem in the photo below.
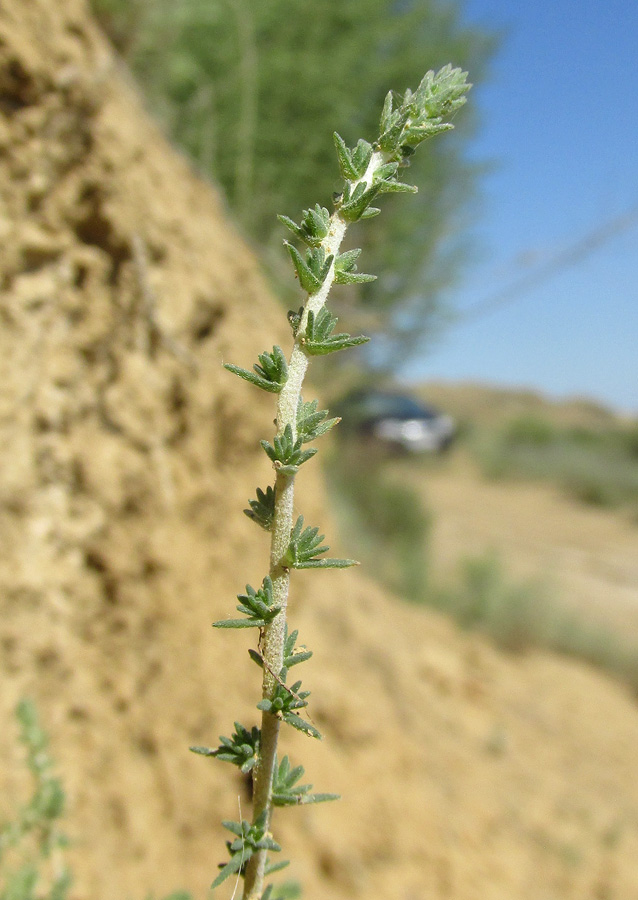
(273, 635)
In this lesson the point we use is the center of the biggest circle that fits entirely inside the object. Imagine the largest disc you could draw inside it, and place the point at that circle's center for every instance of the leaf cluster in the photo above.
(312, 268)
(242, 749)
(306, 548)
(262, 509)
(248, 840)
(257, 606)
(318, 339)
(315, 224)
(286, 791)
(420, 114)
(283, 703)
(312, 422)
(269, 374)
(285, 452)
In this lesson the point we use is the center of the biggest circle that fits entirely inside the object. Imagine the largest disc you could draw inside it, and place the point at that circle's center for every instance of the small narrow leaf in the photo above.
(301, 725)
(262, 509)
(229, 869)
(326, 564)
(296, 230)
(361, 156)
(285, 453)
(319, 340)
(307, 279)
(348, 170)
(258, 607)
(312, 422)
(270, 374)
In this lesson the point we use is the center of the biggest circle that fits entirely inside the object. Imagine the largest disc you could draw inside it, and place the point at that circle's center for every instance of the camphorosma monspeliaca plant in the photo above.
(368, 171)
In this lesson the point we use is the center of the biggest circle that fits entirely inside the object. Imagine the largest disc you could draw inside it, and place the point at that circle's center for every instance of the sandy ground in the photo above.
(127, 455)
(588, 557)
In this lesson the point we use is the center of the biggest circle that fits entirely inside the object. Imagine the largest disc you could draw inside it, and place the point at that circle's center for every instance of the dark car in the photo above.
(397, 419)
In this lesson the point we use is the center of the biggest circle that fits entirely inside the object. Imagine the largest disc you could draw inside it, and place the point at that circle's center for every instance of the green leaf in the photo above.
(345, 159)
(283, 703)
(353, 208)
(361, 156)
(312, 422)
(258, 607)
(270, 374)
(389, 170)
(241, 750)
(314, 225)
(313, 270)
(305, 549)
(291, 657)
(397, 187)
(276, 867)
(286, 454)
(330, 563)
(262, 509)
(249, 839)
(386, 113)
(308, 281)
(235, 864)
(346, 269)
(286, 791)
(301, 725)
(318, 339)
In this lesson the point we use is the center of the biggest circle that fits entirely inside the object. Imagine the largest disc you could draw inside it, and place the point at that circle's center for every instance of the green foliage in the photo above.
(519, 616)
(269, 374)
(305, 549)
(286, 453)
(31, 846)
(314, 225)
(312, 269)
(262, 509)
(286, 791)
(292, 657)
(227, 79)
(283, 703)
(258, 606)
(242, 749)
(312, 422)
(369, 171)
(318, 339)
(248, 839)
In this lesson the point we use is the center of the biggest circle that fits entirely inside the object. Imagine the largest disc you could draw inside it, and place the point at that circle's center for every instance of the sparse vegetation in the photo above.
(596, 466)
(378, 505)
(383, 516)
(32, 865)
(523, 615)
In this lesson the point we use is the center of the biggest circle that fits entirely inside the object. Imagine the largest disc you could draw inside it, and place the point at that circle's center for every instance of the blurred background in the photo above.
(485, 472)
(506, 297)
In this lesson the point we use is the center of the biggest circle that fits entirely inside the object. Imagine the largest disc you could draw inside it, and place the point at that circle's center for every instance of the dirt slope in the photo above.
(127, 455)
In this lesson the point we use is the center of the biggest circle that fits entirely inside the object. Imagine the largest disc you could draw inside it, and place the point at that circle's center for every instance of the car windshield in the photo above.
(395, 406)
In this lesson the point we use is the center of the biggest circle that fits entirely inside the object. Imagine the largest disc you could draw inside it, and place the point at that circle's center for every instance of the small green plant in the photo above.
(368, 171)
(32, 863)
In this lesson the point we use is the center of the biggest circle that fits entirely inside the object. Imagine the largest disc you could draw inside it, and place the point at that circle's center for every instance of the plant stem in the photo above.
(273, 635)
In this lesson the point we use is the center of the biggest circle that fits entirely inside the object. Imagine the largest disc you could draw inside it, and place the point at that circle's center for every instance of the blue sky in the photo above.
(560, 118)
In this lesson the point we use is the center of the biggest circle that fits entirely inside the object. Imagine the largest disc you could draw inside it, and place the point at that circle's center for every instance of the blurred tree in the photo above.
(253, 90)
